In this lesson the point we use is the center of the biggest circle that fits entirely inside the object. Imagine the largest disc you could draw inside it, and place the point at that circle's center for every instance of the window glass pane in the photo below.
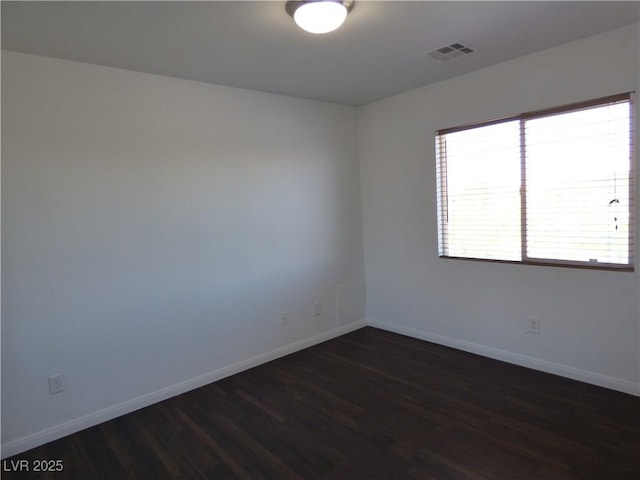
(481, 218)
(577, 181)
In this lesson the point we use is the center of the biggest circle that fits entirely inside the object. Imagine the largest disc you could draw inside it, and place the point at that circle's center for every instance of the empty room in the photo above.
(320, 240)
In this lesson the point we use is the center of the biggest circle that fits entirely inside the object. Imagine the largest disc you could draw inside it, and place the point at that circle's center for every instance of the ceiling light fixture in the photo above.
(319, 16)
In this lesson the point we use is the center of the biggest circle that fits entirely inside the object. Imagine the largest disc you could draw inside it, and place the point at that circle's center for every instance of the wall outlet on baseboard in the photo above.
(533, 325)
(317, 309)
(284, 318)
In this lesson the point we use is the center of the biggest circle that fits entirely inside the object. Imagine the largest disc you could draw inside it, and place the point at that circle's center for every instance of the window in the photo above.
(546, 187)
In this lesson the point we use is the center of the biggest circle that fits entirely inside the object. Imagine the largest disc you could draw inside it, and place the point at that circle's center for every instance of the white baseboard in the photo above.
(586, 376)
(28, 442)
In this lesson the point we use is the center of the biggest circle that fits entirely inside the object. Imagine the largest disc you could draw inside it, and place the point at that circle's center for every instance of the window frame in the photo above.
(443, 198)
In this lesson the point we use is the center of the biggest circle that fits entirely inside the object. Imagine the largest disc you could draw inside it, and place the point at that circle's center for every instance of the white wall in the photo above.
(589, 319)
(153, 231)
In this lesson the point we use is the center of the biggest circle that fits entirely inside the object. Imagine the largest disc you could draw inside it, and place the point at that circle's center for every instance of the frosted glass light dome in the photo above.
(319, 16)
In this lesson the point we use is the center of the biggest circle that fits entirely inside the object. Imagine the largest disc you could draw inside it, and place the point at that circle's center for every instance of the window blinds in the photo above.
(553, 186)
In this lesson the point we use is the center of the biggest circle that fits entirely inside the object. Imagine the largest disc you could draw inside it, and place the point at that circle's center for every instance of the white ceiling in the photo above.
(378, 52)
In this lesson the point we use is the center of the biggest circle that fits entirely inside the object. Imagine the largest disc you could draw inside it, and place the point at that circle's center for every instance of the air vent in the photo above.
(448, 52)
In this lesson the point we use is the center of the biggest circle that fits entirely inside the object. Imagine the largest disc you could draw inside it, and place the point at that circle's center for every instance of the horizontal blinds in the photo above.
(578, 179)
(555, 185)
(482, 175)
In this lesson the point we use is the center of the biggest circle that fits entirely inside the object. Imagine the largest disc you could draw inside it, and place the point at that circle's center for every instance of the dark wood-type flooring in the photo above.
(368, 405)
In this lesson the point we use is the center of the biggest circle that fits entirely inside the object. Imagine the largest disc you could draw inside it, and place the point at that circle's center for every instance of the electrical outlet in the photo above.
(533, 325)
(284, 318)
(56, 384)
(317, 310)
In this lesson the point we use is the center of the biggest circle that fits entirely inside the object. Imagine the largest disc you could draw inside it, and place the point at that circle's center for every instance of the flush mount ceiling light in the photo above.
(319, 16)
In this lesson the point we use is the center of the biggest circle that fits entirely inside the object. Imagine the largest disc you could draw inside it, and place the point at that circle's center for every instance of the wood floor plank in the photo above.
(367, 405)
